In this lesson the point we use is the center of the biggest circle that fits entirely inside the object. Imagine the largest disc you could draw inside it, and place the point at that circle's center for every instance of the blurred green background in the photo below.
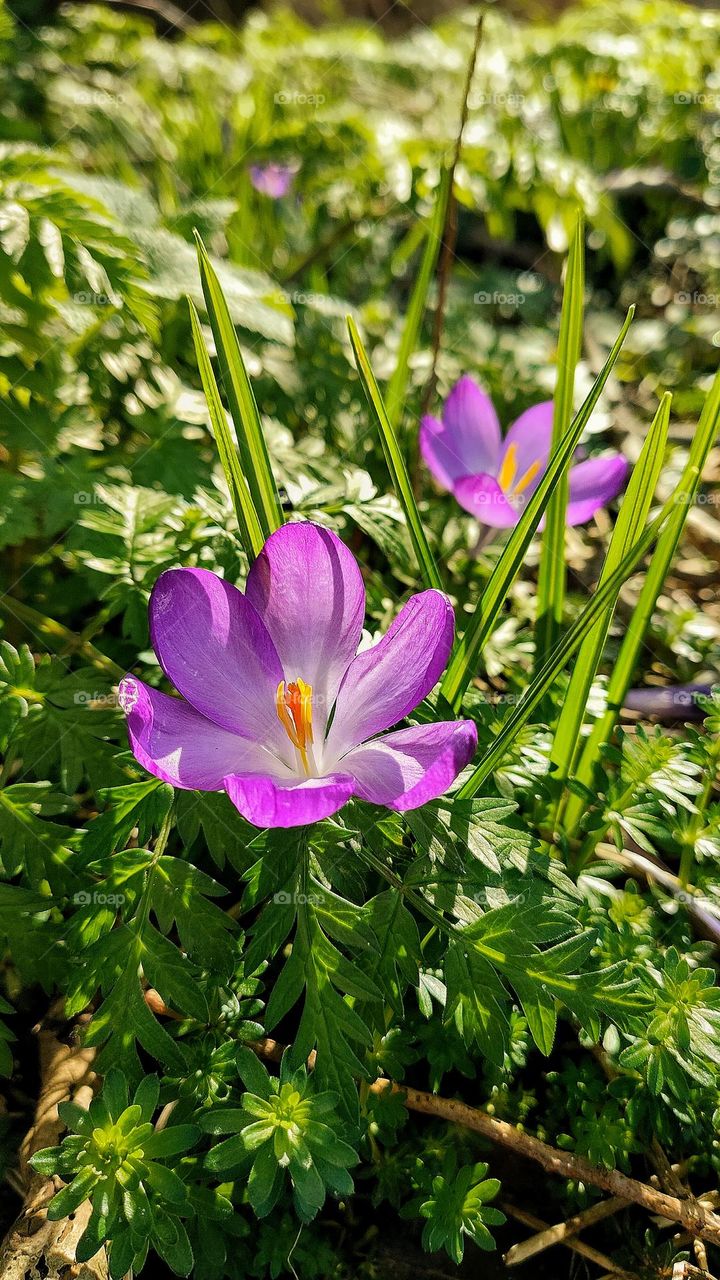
(118, 140)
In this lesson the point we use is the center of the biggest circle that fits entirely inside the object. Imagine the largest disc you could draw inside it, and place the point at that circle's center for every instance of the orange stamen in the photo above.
(294, 709)
(527, 477)
(507, 470)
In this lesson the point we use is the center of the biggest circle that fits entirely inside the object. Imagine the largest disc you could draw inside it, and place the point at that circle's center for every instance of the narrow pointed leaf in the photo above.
(626, 662)
(630, 522)
(551, 575)
(395, 462)
(463, 662)
(397, 386)
(247, 517)
(603, 599)
(241, 400)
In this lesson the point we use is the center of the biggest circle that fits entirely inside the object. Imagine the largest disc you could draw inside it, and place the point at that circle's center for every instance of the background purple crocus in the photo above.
(274, 180)
(492, 477)
(261, 672)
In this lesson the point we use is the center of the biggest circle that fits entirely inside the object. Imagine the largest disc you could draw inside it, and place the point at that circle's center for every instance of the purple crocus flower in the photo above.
(262, 672)
(669, 702)
(492, 477)
(274, 180)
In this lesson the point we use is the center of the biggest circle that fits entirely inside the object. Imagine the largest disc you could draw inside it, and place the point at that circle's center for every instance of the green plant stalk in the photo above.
(551, 574)
(627, 659)
(463, 662)
(603, 599)
(395, 462)
(254, 456)
(251, 533)
(633, 514)
(397, 386)
(59, 638)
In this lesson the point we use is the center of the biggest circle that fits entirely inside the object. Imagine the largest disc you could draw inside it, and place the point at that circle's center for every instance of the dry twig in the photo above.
(449, 235)
(34, 1246)
(697, 1218)
(563, 1232)
(578, 1246)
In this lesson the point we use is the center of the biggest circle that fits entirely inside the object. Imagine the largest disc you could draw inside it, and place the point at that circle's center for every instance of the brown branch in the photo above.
(563, 1231)
(695, 1217)
(33, 1245)
(577, 1246)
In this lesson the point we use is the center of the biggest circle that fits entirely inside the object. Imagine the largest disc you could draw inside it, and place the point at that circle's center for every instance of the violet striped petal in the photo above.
(406, 769)
(307, 588)
(384, 683)
(467, 440)
(216, 650)
(526, 447)
(268, 802)
(174, 742)
(593, 484)
(484, 499)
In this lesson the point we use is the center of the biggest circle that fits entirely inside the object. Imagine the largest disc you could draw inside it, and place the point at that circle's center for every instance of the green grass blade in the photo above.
(247, 517)
(603, 599)
(552, 573)
(630, 522)
(395, 462)
(463, 662)
(241, 400)
(627, 659)
(397, 386)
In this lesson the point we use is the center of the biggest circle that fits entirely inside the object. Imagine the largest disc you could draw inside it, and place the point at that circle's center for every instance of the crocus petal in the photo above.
(467, 440)
(267, 802)
(529, 440)
(483, 498)
(671, 702)
(384, 683)
(307, 588)
(593, 484)
(174, 742)
(404, 770)
(216, 650)
(274, 180)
